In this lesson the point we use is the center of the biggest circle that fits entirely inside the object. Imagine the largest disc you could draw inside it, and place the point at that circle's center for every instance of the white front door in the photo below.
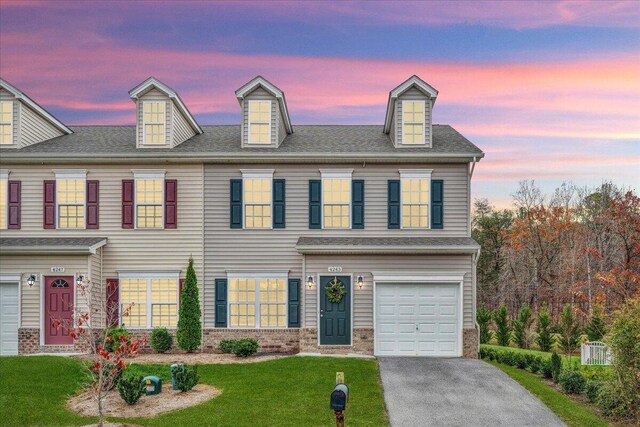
(416, 319)
(8, 318)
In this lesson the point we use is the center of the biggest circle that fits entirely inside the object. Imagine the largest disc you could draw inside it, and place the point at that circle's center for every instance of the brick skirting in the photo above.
(362, 342)
(470, 343)
(269, 340)
(29, 343)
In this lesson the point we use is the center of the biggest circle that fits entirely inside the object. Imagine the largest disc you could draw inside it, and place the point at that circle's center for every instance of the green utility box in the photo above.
(174, 368)
(152, 385)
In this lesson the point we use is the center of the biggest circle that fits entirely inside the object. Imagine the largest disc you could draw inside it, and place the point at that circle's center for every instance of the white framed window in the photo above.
(149, 300)
(257, 300)
(154, 122)
(336, 198)
(149, 195)
(71, 192)
(4, 199)
(6, 122)
(257, 186)
(413, 122)
(415, 198)
(259, 122)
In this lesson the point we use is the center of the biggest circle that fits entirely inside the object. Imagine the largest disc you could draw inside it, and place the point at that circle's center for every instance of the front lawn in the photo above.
(290, 391)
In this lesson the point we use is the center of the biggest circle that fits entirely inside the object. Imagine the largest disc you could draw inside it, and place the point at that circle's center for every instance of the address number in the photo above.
(57, 269)
(335, 269)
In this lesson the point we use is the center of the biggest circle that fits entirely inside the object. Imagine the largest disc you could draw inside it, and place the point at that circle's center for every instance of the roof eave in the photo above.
(58, 249)
(273, 90)
(386, 250)
(414, 80)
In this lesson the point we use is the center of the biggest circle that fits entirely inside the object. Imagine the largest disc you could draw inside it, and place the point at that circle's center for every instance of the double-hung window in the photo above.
(149, 300)
(336, 199)
(4, 198)
(258, 301)
(415, 198)
(413, 122)
(257, 188)
(154, 118)
(6, 123)
(71, 194)
(259, 122)
(149, 199)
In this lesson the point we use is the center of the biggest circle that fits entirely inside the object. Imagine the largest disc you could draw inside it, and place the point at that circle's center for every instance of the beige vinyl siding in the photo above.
(153, 95)
(5, 95)
(259, 94)
(96, 279)
(180, 127)
(259, 250)
(128, 250)
(413, 94)
(366, 265)
(33, 128)
(282, 130)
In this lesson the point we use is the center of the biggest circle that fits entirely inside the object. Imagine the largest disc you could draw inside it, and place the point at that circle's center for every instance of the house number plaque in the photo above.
(335, 269)
(57, 269)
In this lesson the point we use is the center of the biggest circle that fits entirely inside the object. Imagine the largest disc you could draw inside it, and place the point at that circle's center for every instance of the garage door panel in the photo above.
(447, 309)
(427, 328)
(407, 310)
(427, 309)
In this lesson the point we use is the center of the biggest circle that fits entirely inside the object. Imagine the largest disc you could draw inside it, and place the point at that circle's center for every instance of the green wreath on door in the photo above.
(335, 291)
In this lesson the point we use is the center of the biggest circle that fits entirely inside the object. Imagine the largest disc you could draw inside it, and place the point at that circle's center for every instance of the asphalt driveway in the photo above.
(457, 392)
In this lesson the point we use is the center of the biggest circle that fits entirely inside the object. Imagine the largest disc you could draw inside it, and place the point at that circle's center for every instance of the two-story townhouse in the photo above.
(348, 239)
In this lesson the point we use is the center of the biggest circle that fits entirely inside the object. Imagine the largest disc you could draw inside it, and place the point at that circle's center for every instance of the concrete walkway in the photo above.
(457, 392)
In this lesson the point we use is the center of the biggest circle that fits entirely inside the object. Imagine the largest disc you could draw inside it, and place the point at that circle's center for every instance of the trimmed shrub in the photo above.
(572, 382)
(612, 403)
(245, 347)
(483, 316)
(186, 377)
(131, 388)
(592, 389)
(546, 369)
(556, 366)
(226, 346)
(189, 333)
(161, 340)
(545, 338)
(503, 330)
(521, 361)
(113, 338)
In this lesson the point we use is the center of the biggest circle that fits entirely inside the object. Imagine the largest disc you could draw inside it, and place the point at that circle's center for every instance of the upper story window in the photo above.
(258, 301)
(4, 195)
(415, 198)
(259, 122)
(150, 300)
(71, 198)
(413, 122)
(336, 199)
(154, 118)
(149, 200)
(6, 122)
(258, 187)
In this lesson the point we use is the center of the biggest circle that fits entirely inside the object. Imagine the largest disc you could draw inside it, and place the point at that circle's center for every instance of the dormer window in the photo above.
(259, 122)
(6, 123)
(413, 122)
(154, 117)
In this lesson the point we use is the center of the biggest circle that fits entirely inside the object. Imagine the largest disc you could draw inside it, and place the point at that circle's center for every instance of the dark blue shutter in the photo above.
(236, 203)
(357, 204)
(393, 202)
(294, 303)
(221, 303)
(278, 204)
(315, 203)
(437, 203)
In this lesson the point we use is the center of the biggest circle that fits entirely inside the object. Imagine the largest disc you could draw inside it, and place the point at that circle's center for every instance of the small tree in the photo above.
(503, 330)
(595, 329)
(522, 326)
(545, 338)
(189, 331)
(483, 316)
(569, 331)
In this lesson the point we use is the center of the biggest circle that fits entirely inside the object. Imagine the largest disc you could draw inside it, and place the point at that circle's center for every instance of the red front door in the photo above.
(58, 305)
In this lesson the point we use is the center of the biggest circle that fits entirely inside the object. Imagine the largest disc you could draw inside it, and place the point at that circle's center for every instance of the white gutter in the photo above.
(476, 258)
(378, 250)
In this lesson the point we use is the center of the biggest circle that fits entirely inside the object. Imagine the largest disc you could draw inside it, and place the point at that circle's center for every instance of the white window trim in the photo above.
(419, 174)
(256, 174)
(147, 174)
(10, 122)
(424, 118)
(164, 122)
(249, 121)
(257, 276)
(4, 176)
(80, 174)
(336, 174)
(148, 276)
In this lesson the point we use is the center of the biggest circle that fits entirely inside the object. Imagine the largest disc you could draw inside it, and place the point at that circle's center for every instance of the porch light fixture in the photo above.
(31, 280)
(79, 279)
(310, 282)
(360, 282)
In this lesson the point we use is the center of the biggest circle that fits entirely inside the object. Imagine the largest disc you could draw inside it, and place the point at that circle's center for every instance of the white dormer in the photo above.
(23, 122)
(265, 119)
(162, 118)
(409, 113)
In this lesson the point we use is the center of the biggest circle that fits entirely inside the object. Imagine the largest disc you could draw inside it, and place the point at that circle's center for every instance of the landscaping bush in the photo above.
(556, 366)
(186, 377)
(592, 389)
(612, 403)
(161, 340)
(533, 362)
(521, 327)
(570, 331)
(113, 338)
(544, 339)
(520, 361)
(572, 382)
(131, 388)
(503, 330)
(245, 347)
(546, 369)
(226, 346)
(189, 332)
(483, 316)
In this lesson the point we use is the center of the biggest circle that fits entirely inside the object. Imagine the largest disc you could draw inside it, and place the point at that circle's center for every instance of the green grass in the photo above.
(291, 391)
(571, 411)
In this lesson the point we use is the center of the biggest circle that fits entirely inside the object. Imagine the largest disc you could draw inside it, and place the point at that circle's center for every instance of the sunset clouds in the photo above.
(549, 93)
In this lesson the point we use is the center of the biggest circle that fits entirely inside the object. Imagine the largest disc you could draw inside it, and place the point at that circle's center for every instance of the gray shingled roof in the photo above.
(79, 245)
(224, 141)
(387, 245)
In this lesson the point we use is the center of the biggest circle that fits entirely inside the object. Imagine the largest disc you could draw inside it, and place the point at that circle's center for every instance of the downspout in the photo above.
(304, 294)
(202, 300)
(476, 258)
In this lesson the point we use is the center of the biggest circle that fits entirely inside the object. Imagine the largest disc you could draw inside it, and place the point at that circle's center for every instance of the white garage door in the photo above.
(418, 320)
(8, 318)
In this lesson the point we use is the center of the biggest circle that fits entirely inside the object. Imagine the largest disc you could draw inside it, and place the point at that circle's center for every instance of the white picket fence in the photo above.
(595, 353)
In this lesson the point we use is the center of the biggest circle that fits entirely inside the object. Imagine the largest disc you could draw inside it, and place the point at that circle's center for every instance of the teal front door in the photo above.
(335, 317)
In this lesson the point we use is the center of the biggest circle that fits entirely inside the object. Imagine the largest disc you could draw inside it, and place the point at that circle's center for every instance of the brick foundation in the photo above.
(362, 342)
(29, 343)
(470, 343)
(269, 340)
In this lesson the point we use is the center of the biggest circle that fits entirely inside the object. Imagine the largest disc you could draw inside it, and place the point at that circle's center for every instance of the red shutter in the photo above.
(180, 285)
(128, 194)
(171, 203)
(113, 302)
(93, 201)
(49, 203)
(14, 204)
